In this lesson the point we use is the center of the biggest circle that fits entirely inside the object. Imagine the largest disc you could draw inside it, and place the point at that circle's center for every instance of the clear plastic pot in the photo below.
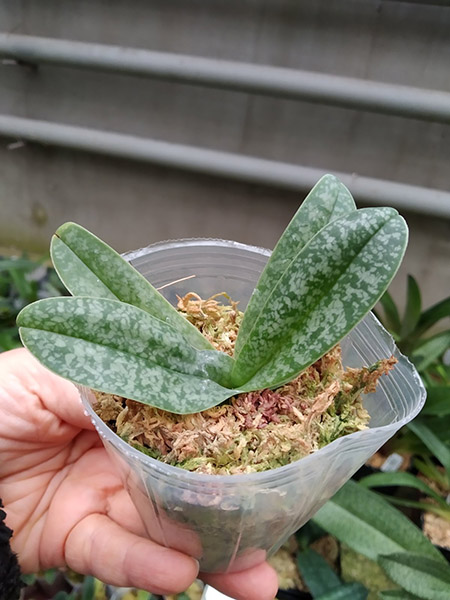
(230, 522)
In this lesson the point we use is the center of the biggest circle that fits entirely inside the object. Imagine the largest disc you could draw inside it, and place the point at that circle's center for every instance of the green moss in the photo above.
(148, 451)
(356, 567)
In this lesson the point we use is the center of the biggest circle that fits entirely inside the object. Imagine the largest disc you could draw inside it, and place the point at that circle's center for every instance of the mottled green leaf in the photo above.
(326, 273)
(413, 308)
(89, 267)
(419, 575)
(316, 573)
(328, 200)
(118, 348)
(328, 288)
(369, 525)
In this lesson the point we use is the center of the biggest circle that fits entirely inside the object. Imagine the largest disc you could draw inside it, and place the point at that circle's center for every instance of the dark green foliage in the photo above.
(428, 435)
(317, 573)
(366, 523)
(438, 505)
(22, 281)
(347, 591)
(397, 594)
(420, 575)
(369, 525)
(412, 331)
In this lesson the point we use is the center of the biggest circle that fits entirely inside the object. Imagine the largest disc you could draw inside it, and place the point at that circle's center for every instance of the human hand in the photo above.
(66, 503)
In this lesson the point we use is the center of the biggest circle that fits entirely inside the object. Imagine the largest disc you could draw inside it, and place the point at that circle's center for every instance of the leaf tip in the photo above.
(66, 228)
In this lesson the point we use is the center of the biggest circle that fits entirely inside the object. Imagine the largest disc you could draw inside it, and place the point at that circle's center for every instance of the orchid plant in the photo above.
(117, 333)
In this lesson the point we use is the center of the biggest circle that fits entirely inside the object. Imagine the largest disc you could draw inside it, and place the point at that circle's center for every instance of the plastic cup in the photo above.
(231, 522)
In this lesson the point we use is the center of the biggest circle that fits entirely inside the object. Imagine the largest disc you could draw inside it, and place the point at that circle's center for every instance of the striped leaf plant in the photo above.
(117, 333)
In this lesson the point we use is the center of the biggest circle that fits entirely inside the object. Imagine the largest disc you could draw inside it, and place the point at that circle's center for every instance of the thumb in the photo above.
(99, 546)
(21, 373)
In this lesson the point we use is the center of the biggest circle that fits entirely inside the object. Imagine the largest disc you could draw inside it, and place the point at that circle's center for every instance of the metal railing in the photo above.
(223, 164)
(430, 105)
(361, 94)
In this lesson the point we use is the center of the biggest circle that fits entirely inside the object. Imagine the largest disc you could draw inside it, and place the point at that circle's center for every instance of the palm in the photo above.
(65, 502)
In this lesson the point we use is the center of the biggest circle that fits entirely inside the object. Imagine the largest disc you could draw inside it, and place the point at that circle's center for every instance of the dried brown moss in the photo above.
(254, 431)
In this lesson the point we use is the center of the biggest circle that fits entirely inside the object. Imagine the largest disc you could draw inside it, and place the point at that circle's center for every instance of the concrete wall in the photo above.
(131, 205)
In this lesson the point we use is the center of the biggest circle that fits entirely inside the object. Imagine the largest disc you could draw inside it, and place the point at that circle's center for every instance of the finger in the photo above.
(121, 509)
(100, 547)
(257, 583)
(19, 370)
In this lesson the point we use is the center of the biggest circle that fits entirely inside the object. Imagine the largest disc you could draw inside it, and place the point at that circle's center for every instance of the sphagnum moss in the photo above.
(253, 431)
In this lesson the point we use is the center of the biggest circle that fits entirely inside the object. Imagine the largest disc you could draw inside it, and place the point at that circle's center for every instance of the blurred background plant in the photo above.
(66, 585)
(358, 545)
(23, 280)
(422, 335)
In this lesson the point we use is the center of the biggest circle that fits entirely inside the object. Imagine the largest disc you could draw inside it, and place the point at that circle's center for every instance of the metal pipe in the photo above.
(360, 94)
(223, 164)
(426, 3)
